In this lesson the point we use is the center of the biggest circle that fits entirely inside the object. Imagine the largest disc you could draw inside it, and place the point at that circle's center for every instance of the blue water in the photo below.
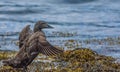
(88, 18)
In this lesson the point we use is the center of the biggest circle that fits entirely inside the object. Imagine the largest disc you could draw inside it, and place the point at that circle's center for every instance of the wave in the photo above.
(18, 5)
(69, 1)
(105, 24)
(24, 11)
(77, 1)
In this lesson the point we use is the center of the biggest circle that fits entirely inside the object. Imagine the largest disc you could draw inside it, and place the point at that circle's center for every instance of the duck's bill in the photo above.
(48, 26)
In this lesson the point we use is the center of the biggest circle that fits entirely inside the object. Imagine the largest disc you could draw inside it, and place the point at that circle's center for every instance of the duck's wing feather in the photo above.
(47, 49)
(25, 33)
(43, 45)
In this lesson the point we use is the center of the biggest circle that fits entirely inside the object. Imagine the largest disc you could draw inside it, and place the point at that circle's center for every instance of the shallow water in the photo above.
(86, 19)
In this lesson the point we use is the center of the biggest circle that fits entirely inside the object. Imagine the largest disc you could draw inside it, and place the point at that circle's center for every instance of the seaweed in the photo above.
(77, 60)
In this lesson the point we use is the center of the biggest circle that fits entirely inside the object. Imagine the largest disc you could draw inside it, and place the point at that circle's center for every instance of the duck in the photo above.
(31, 44)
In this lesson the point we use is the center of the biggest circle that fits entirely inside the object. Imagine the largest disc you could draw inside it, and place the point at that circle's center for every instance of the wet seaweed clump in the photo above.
(9, 69)
(3, 55)
(77, 60)
(6, 54)
(85, 60)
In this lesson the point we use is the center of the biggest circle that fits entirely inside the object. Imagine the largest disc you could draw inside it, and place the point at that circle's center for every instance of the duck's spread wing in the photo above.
(39, 41)
(46, 48)
(24, 34)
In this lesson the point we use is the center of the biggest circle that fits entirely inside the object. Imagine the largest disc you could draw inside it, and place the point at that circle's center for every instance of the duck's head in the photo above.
(41, 25)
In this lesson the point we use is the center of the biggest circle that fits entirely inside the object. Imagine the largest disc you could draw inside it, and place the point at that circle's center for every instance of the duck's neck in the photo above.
(37, 29)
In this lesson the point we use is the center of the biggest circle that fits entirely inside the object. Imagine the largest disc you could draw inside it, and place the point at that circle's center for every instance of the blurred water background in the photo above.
(83, 19)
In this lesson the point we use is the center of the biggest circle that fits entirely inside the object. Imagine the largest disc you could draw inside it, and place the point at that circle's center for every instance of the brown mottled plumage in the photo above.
(24, 34)
(32, 45)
